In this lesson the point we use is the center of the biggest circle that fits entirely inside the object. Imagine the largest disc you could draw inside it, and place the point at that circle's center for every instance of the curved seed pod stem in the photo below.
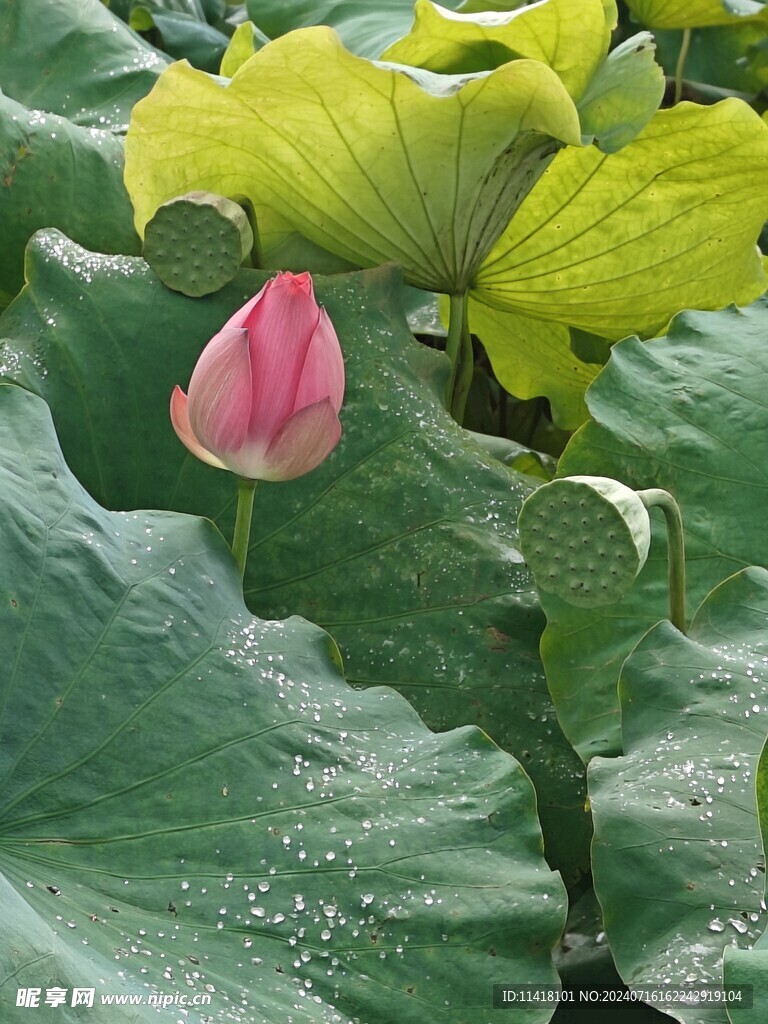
(654, 497)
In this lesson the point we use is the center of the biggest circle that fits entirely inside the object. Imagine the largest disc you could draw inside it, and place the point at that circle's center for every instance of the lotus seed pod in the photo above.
(195, 243)
(585, 538)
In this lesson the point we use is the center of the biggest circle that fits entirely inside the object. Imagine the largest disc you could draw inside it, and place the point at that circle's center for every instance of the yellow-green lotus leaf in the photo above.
(534, 357)
(617, 244)
(571, 36)
(616, 94)
(694, 13)
(372, 162)
(477, 6)
(245, 41)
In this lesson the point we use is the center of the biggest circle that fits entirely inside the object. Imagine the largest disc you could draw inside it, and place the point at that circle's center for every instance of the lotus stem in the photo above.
(256, 259)
(459, 350)
(242, 534)
(657, 498)
(680, 68)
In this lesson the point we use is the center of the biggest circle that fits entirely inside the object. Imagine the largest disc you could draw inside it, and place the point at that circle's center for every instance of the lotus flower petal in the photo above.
(323, 372)
(281, 327)
(304, 440)
(220, 393)
(183, 428)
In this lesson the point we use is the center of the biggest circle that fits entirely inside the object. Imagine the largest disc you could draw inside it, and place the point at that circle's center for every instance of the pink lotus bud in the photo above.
(265, 395)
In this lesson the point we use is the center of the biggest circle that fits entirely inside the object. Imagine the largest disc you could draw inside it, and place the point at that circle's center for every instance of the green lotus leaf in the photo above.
(720, 59)
(694, 13)
(750, 967)
(685, 413)
(374, 163)
(76, 59)
(193, 800)
(761, 786)
(623, 94)
(677, 856)
(617, 244)
(743, 969)
(184, 34)
(584, 959)
(571, 36)
(403, 543)
(590, 348)
(746, 970)
(366, 27)
(50, 171)
(534, 357)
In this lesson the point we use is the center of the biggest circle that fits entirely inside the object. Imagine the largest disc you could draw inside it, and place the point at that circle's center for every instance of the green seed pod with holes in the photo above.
(585, 538)
(196, 243)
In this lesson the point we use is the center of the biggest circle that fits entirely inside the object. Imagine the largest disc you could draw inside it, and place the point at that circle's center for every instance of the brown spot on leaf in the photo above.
(497, 640)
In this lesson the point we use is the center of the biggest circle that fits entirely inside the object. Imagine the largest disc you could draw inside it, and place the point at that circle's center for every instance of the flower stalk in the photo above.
(680, 68)
(655, 497)
(242, 535)
(458, 348)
